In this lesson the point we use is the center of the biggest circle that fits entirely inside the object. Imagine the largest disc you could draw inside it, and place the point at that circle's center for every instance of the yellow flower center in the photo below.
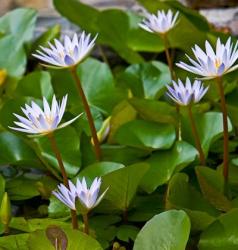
(61, 55)
(49, 119)
(217, 63)
(71, 52)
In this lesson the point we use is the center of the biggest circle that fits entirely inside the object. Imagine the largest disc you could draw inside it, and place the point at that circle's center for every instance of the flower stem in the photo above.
(58, 156)
(168, 56)
(225, 133)
(178, 129)
(88, 113)
(56, 151)
(86, 224)
(196, 137)
(74, 219)
(172, 75)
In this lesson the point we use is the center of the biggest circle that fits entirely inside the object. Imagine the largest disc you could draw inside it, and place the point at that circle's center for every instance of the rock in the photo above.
(219, 16)
(37, 4)
(224, 19)
(5, 6)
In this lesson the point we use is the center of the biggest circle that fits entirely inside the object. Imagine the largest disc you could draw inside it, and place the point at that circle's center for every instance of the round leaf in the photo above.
(222, 234)
(168, 230)
(14, 242)
(69, 146)
(209, 126)
(76, 241)
(123, 184)
(146, 135)
(163, 164)
(147, 80)
(36, 84)
(16, 151)
(99, 169)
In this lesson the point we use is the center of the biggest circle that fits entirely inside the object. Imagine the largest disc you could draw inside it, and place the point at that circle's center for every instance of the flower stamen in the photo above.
(217, 63)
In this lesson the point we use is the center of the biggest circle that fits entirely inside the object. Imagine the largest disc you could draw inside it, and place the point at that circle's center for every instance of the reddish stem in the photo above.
(86, 224)
(196, 137)
(64, 174)
(88, 113)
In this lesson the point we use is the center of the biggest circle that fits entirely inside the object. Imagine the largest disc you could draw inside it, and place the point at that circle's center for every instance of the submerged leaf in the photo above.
(57, 237)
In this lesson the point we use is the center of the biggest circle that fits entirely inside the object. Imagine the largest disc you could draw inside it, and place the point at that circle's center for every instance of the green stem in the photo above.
(86, 224)
(58, 156)
(196, 137)
(179, 126)
(225, 132)
(88, 113)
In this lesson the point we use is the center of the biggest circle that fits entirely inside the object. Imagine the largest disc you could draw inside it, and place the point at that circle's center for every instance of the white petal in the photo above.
(209, 50)
(101, 197)
(24, 130)
(62, 107)
(69, 122)
(46, 107)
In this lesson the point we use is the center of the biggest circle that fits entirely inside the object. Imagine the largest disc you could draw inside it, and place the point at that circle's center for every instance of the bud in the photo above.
(3, 76)
(5, 211)
(115, 246)
(104, 130)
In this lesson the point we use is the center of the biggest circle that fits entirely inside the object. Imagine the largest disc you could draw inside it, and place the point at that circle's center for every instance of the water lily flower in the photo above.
(42, 121)
(212, 63)
(184, 94)
(66, 195)
(160, 23)
(88, 196)
(67, 54)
